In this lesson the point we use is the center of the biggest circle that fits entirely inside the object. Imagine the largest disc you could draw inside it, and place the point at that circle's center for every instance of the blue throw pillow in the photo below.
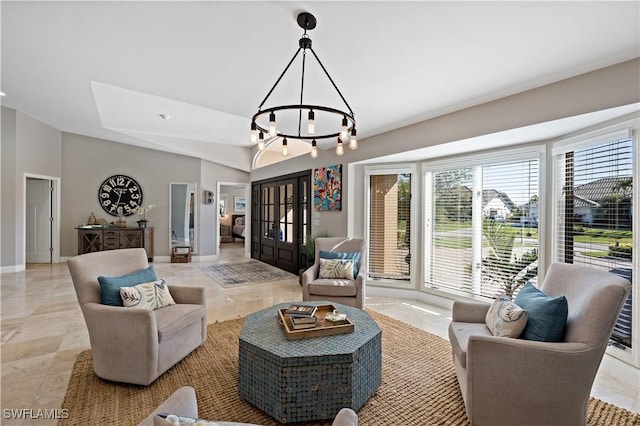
(547, 315)
(110, 286)
(348, 256)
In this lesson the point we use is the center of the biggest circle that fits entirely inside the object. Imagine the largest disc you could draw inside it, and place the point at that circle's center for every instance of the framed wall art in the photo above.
(327, 188)
(240, 204)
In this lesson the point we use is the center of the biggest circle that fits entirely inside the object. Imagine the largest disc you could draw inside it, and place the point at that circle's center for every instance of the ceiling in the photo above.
(110, 69)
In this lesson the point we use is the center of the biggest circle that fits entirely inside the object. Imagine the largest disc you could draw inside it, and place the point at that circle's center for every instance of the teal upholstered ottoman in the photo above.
(308, 379)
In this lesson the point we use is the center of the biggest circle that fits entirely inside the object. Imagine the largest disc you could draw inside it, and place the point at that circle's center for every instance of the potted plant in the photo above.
(310, 250)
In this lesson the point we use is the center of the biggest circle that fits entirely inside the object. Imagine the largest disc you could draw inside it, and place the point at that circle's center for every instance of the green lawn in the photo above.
(602, 236)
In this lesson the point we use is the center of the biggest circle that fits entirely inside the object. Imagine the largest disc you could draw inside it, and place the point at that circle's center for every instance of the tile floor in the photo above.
(43, 329)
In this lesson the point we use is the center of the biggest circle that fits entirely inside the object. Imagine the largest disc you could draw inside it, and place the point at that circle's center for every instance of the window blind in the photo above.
(594, 195)
(390, 226)
(481, 232)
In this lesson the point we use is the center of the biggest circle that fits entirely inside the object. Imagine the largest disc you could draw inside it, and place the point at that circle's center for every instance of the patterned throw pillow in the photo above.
(505, 318)
(152, 295)
(162, 419)
(336, 268)
(355, 256)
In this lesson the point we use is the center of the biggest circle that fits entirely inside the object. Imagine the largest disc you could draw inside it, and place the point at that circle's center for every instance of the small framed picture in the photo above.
(240, 204)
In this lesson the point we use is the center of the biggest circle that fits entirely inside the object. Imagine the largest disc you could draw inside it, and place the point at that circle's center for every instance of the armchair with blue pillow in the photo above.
(138, 326)
(542, 372)
(338, 273)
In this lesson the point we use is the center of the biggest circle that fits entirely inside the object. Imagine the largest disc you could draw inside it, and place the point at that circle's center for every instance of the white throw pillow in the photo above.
(152, 295)
(505, 318)
(336, 268)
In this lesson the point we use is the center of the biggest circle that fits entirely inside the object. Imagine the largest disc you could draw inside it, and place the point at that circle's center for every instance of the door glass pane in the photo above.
(509, 227)
(304, 207)
(450, 243)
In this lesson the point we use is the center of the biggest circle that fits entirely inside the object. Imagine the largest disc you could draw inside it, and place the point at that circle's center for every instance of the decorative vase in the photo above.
(92, 219)
(121, 223)
(142, 224)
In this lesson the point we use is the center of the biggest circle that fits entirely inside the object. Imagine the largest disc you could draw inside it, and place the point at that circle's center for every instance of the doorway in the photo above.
(233, 219)
(41, 219)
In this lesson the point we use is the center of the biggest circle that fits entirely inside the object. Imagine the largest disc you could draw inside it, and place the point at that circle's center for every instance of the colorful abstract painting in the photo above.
(327, 188)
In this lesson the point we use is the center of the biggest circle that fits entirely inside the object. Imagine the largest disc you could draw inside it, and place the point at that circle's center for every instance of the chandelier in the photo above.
(264, 121)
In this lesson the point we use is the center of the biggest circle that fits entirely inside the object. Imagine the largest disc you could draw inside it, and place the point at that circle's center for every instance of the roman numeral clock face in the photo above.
(120, 195)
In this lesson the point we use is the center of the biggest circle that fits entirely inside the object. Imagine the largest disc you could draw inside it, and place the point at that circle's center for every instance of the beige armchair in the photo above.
(135, 345)
(506, 381)
(345, 291)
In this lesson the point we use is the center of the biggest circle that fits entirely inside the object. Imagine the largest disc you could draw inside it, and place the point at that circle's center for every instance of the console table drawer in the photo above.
(100, 239)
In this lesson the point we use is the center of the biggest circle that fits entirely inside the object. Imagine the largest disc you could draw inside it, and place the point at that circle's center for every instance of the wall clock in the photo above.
(120, 195)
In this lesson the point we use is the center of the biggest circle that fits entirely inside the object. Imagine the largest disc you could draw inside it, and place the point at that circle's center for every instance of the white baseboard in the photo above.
(11, 268)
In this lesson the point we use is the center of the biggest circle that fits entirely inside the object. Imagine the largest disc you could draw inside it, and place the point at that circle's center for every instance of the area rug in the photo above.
(419, 385)
(251, 272)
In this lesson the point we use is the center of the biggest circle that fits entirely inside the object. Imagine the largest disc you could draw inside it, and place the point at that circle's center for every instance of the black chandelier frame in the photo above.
(307, 22)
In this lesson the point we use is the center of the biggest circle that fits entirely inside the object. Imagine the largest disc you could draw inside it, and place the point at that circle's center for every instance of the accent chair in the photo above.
(509, 381)
(129, 344)
(340, 290)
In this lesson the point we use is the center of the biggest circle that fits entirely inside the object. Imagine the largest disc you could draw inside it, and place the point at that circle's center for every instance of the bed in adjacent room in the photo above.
(237, 226)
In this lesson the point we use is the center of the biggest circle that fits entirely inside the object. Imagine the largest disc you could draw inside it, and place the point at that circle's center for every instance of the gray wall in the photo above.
(82, 163)
(88, 161)
(213, 173)
(598, 90)
(28, 147)
(94, 160)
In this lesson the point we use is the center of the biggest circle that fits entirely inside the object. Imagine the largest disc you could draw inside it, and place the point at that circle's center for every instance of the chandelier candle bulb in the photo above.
(311, 127)
(353, 142)
(344, 132)
(339, 148)
(272, 124)
(254, 132)
(261, 142)
(285, 150)
(314, 149)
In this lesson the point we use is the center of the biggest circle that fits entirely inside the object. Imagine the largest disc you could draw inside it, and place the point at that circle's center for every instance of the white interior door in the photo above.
(38, 221)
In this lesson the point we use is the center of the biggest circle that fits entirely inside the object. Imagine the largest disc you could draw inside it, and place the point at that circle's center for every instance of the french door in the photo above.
(280, 220)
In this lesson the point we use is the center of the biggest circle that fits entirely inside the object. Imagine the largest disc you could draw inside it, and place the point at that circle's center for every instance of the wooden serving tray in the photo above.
(323, 327)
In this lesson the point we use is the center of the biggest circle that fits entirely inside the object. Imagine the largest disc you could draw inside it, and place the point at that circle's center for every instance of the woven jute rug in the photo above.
(419, 385)
(243, 273)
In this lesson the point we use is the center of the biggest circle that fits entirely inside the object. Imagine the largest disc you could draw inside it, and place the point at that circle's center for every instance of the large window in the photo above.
(594, 198)
(389, 226)
(481, 227)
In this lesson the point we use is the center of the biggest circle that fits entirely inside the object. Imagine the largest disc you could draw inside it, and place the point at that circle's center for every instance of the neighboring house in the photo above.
(602, 201)
(496, 205)
(530, 213)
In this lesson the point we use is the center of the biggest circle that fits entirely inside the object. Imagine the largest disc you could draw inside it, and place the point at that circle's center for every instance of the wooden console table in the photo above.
(100, 239)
